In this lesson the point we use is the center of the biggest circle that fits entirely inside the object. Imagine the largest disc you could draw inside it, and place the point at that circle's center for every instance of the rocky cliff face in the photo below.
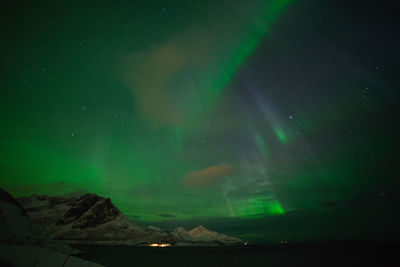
(86, 218)
(17, 228)
(25, 243)
(89, 210)
(92, 219)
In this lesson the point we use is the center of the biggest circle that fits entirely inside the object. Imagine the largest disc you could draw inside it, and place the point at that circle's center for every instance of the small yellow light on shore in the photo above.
(162, 245)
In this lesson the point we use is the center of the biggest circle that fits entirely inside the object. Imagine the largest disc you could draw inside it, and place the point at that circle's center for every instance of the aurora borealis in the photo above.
(267, 120)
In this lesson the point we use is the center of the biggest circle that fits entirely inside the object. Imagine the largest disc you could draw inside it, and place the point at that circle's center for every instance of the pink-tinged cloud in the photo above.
(153, 75)
(208, 176)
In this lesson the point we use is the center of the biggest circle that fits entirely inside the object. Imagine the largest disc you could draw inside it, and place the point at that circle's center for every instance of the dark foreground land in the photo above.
(299, 254)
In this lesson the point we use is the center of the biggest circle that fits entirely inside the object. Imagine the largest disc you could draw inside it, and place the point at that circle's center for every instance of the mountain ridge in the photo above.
(92, 219)
(25, 243)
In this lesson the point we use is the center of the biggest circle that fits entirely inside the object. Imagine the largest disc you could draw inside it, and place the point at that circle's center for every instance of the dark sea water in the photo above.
(315, 254)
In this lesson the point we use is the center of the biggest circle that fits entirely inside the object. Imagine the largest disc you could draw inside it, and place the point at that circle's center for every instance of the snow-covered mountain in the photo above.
(24, 243)
(17, 228)
(86, 218)
(201, 236)
(92, 219)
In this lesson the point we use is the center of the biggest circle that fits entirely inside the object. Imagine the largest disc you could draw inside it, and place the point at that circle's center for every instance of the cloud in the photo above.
(184, 74)
(154, 75)
(208, 176)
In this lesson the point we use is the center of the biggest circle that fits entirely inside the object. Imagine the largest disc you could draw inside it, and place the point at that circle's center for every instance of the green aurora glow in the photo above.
(226, 113)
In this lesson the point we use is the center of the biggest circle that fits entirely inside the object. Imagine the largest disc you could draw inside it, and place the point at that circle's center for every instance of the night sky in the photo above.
(267, 120)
